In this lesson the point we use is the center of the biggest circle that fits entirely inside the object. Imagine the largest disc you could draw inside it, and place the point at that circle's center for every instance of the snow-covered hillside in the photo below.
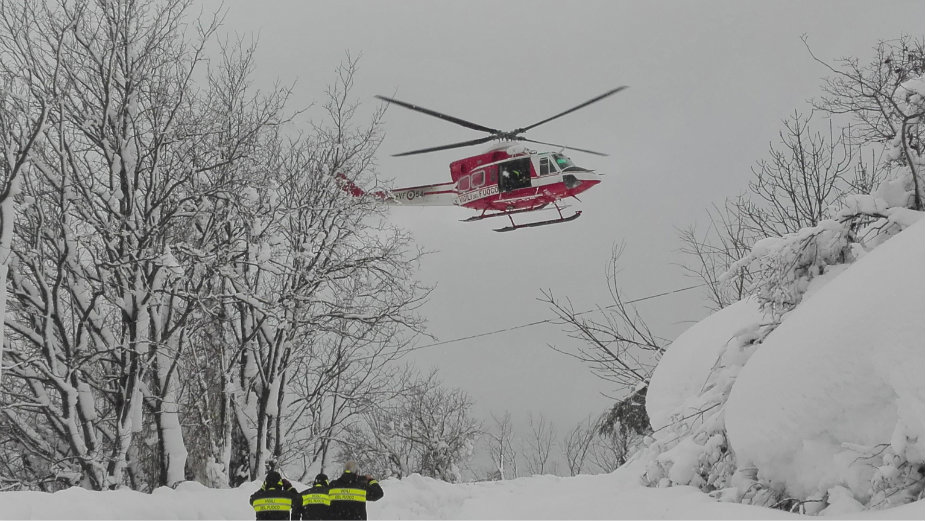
(825, 411)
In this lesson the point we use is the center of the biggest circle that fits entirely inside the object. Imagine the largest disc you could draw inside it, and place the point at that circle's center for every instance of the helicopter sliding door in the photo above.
(514, 174)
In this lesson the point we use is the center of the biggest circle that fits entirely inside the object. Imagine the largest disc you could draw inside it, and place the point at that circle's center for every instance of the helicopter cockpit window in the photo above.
(562, 161)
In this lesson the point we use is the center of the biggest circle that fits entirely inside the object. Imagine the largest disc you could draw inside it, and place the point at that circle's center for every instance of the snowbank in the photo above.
(686, 366)
(840, 376)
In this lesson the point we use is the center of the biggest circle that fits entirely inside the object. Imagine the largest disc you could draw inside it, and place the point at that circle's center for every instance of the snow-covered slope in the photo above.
(841, 375)
(828, 406)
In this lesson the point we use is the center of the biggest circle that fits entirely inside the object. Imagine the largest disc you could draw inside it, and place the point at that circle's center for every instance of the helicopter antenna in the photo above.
(511, 135)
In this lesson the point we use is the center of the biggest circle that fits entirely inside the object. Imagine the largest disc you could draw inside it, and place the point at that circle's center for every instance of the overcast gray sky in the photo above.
(709, 83)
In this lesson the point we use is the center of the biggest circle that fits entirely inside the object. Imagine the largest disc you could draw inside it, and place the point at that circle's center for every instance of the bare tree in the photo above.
(577, 446)
(375, 438)
(110, 183)
(182, 256)
(539, 446)
(621, 348)
(726, 239)
(23, 111)
(609, 451)
(803, 181)
(805, 174)
(313, 260)
(427, 429)
(343, 379)
(875, 95)
(501, 447)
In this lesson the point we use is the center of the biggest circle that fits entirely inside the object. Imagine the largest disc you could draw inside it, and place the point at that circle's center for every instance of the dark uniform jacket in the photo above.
(276, 500)
(349, 494)
(315, 502)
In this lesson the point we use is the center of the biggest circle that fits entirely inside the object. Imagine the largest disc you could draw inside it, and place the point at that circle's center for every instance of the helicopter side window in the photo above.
(462, 184)
(492, 175)
(546, 166)
(478, 179)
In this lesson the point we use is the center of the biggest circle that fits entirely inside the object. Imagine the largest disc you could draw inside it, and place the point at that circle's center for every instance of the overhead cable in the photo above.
(549, 320)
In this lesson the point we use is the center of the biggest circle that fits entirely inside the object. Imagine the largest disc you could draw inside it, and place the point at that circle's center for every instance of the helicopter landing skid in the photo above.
(540, 223)
(499, 214)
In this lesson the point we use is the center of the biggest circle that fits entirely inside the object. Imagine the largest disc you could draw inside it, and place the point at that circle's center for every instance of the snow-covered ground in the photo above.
(614, 496)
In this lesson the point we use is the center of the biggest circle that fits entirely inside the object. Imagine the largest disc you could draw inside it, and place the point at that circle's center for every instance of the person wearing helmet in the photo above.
(350, 492)
(276, 499)
(315, 501)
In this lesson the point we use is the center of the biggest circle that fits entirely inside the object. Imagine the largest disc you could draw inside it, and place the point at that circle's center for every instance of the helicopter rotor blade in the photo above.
(573, 109)
(446, 147)
(562, 146)
(445, 117)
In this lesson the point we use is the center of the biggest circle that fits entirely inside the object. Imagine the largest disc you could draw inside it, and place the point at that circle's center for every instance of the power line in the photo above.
(549, 320)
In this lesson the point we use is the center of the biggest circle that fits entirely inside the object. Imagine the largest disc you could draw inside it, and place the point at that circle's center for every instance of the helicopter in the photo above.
(506, 180)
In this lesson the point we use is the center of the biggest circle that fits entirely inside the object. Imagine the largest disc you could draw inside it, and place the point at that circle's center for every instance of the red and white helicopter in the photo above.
(506, 180)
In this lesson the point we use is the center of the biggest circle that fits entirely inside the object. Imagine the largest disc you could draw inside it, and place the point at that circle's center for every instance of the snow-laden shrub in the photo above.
(899, 477)
(783, 267)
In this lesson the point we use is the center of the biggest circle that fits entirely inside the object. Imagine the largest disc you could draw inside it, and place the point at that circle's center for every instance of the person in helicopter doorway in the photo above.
(513, 177)
(350, 492)
(276, 499)
(316, 504)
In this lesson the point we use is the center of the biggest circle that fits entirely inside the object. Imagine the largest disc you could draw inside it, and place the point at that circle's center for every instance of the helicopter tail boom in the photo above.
(441, 194)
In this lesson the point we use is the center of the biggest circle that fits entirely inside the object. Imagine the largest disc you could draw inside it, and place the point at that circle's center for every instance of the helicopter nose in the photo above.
(571, 182)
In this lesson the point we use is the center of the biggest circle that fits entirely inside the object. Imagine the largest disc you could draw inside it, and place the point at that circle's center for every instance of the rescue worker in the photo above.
(315, 501)
(276, 499)
(350, 492)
